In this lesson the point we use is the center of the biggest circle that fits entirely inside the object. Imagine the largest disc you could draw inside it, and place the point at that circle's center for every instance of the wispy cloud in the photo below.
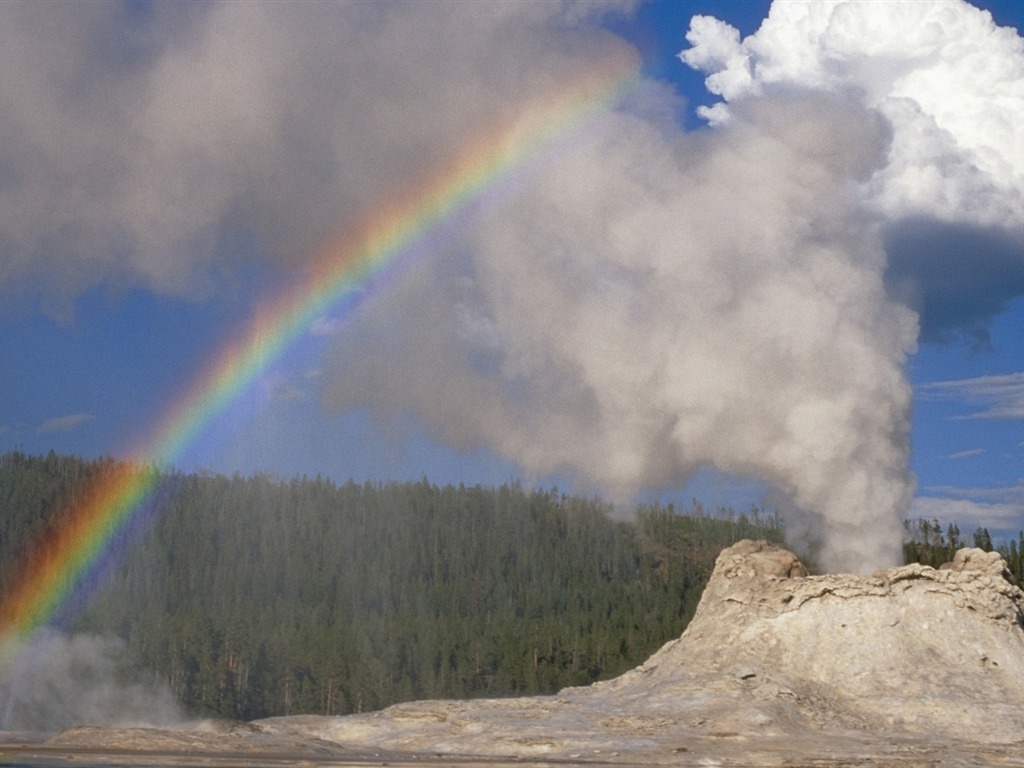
(1004, 518)
(966, 454)
(1001, 397)
(64, 423)
(1000, 510)
(327, 326)
(282, 387)
(1013, 494)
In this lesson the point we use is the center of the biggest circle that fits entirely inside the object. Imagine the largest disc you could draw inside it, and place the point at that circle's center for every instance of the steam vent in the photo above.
(908, 666)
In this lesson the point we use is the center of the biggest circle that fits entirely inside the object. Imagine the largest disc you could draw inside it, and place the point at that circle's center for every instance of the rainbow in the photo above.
(58, 563)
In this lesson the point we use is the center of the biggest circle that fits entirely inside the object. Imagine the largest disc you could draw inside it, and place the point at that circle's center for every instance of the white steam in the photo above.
(173, 145)
(657, 302)
(651, 302)
(61, 681)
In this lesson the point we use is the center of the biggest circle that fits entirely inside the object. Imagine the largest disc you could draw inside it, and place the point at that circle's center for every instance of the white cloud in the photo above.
(1000, 510)
(1013, 494)
(65, 423)
(1002, 396)
(948, 79)
(968, 514)
(966, 454)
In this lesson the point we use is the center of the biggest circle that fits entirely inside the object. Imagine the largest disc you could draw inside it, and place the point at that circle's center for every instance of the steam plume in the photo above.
(657, 302)
(174, 146)
(651, 302)
(652, 305)
(61, 681)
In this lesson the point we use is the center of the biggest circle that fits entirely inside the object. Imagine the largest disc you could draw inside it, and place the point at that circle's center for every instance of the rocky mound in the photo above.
(906, 666)
(910, 650)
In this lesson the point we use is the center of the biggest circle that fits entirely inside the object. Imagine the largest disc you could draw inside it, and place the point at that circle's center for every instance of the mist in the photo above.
(61, 681)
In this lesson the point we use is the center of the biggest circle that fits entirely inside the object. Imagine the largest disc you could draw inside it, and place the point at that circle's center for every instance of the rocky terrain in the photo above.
(908, 666)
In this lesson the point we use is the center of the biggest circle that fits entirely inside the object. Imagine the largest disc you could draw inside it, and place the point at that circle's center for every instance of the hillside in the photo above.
(253, 596)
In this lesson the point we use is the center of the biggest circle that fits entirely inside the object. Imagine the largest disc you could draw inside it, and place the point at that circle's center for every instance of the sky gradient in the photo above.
(169, 170)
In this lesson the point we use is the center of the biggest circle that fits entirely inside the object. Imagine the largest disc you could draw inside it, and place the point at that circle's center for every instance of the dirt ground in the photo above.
(115, 748)
(41, 755)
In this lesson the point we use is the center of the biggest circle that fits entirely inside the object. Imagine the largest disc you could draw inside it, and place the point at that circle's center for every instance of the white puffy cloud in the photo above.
(949, 80)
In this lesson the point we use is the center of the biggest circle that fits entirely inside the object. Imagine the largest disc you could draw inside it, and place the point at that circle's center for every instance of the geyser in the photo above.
(657, 301)
(653, 304)
(907, 664)
(931, 656)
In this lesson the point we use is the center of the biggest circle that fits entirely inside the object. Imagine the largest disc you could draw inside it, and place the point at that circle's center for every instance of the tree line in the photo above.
(928, 543)
(255, 596)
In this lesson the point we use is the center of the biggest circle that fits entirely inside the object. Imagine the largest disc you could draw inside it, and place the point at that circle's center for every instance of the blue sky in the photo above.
(103, 322)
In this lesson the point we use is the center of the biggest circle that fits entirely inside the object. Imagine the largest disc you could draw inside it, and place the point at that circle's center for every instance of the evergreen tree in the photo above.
(254, 596)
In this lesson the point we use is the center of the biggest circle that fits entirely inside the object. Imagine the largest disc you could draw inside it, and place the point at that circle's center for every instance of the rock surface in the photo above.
(908, 666)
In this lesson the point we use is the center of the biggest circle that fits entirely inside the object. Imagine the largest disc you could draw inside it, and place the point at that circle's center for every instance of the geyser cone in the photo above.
(911, 648)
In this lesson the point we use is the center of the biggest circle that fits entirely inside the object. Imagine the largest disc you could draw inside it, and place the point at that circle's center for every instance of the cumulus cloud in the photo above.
(958, 276)
(950, 82)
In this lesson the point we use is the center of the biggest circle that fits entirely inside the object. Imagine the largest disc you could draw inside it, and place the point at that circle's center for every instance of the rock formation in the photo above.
(910, 649)
(910, 665)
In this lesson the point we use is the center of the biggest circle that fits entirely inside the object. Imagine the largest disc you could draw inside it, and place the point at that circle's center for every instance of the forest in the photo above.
(253, 596)
(927, 542)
